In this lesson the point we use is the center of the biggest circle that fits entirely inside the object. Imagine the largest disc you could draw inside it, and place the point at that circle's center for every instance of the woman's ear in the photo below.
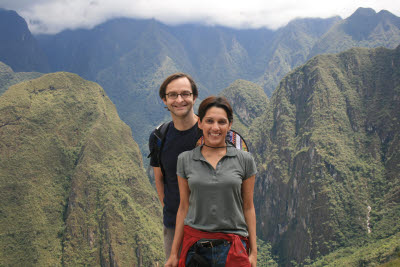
(199, 123)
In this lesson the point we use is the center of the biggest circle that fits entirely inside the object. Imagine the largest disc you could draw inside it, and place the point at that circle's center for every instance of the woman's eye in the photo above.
(209, 121)
(222, 122)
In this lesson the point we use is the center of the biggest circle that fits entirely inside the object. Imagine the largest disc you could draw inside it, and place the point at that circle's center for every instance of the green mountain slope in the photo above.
(328, 154)
(248, 102)
(72, 184)
(8, 77)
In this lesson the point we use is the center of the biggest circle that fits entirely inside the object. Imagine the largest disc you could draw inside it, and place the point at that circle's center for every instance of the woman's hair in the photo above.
(169, 79)
(215, 101)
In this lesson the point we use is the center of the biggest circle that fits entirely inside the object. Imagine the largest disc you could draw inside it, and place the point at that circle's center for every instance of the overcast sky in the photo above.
(52, 16)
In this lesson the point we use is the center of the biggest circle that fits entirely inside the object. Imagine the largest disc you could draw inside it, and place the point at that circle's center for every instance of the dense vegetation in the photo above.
(248, 101)
(72, 184)
(328, 149)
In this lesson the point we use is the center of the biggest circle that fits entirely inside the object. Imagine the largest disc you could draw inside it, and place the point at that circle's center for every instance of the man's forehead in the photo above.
(179, 85)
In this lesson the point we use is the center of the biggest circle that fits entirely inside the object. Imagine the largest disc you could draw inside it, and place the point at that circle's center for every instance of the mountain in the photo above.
(18, 48)
(248, 102)
(290, 48)
(328, 155)
(73, 185)
(130, 58)
(8, 77)
(364, 28)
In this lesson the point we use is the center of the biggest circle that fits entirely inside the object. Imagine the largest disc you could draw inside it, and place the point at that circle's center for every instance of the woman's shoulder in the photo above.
(187, 154)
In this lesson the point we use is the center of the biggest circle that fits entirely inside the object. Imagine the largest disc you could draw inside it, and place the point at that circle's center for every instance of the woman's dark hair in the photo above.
(163, 87)
(215, 101)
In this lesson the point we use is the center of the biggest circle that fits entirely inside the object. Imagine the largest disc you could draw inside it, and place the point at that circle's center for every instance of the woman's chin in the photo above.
(216, 143)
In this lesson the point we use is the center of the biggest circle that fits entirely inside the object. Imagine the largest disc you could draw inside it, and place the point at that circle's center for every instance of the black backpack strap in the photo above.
(157, 139)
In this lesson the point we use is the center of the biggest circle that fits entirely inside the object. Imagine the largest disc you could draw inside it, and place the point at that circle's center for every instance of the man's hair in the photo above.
(169, 79)
(215, 101)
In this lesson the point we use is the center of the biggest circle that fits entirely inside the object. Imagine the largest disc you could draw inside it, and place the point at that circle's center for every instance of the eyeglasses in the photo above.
(174, 95)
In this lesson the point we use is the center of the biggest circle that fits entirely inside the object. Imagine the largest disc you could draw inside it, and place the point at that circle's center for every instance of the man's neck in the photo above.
(184, 123)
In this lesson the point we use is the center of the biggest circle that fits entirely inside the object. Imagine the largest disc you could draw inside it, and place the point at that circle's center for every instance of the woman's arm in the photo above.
(250, 216)
(184, 193)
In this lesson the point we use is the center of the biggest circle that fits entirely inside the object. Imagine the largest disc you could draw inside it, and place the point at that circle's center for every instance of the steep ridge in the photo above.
(8, 77)
(73, 187)
(18, 47)
(328, 155)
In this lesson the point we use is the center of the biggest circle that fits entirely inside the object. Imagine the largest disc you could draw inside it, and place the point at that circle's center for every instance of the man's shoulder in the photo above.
(160, 131)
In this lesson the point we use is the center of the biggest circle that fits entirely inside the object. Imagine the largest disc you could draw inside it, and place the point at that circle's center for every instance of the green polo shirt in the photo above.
(215, 201)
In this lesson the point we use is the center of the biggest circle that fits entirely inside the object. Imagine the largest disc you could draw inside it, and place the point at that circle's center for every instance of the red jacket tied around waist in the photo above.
(237, 255)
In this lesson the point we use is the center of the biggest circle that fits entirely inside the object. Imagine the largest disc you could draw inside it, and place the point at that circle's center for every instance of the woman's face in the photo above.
(215, 126)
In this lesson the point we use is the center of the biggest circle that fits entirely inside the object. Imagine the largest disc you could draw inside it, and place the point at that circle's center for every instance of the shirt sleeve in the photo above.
(182, 162)
(251, 168)
(154, 162)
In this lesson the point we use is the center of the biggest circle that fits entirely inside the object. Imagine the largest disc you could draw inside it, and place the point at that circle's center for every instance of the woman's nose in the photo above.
(215, 125)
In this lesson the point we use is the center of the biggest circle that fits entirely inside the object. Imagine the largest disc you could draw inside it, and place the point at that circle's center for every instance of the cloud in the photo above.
(52, 16)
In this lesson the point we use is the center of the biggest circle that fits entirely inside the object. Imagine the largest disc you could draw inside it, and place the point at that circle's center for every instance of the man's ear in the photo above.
(164, 100)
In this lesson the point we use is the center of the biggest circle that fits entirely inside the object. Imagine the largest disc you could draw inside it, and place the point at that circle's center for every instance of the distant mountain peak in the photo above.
(363, 11)
(365, 21)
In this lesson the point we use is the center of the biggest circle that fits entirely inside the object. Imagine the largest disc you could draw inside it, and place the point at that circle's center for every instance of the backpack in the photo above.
(232, 137)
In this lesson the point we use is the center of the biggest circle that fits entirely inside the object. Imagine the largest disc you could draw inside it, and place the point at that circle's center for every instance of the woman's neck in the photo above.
(213, 155)
(213, 150)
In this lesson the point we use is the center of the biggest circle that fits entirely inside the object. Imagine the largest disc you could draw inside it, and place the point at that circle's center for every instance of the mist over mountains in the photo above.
(324, 135)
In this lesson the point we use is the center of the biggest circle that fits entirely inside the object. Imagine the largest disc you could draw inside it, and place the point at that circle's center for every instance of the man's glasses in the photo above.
(174, 95)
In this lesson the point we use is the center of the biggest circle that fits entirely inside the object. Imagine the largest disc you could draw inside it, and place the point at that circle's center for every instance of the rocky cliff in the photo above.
(328, 152)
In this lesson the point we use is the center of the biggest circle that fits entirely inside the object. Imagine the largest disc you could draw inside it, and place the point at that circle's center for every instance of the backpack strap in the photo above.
(159, 133)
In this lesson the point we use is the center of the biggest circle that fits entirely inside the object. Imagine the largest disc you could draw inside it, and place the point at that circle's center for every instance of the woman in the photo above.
(216, 218)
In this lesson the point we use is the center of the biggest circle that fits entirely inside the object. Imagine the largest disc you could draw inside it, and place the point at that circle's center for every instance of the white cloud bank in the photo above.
(52, 16)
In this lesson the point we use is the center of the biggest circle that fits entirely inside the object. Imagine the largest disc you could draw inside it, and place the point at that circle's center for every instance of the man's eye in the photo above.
(185, 94)
(173, 95)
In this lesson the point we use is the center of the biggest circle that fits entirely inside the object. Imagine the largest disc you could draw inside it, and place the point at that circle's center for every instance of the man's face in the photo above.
(181, 106)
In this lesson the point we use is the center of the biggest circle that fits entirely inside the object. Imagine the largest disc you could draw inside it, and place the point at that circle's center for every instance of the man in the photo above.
(179, 93)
